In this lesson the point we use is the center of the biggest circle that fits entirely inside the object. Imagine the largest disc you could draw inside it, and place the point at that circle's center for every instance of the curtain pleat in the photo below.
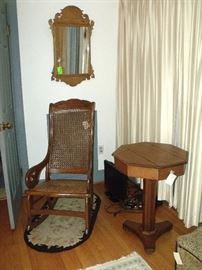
(159, 88)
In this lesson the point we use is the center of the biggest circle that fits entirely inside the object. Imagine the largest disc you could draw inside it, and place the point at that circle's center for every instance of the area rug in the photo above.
(133, 261)
(59, 233)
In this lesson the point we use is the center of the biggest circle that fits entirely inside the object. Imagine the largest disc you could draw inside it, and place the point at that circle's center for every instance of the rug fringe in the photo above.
(132, 261)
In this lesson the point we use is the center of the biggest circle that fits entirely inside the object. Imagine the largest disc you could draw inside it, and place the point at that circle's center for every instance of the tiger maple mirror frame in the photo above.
(72, 30)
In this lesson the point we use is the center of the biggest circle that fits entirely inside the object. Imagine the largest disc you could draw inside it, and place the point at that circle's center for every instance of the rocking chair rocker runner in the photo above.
(70, 152)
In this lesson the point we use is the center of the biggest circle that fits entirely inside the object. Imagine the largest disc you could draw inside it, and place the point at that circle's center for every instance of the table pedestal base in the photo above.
(148, 237)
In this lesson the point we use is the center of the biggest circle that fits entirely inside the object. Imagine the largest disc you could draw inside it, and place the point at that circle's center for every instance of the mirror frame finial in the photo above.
(70, 16)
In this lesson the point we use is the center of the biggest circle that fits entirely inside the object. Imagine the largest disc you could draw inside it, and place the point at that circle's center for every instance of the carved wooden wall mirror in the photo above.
(71, 31)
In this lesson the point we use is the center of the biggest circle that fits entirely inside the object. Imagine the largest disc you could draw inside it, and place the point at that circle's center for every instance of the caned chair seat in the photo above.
(61, 188)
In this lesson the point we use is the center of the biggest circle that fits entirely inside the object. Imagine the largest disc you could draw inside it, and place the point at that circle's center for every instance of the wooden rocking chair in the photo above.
(70, 152)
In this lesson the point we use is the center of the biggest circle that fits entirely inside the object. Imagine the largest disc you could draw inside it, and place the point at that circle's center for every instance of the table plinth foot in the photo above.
(148, 237)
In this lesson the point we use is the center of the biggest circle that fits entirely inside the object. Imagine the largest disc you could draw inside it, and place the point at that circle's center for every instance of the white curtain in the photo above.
(159, 88)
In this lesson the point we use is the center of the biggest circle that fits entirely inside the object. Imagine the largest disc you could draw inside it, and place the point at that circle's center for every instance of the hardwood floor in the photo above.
(107, 242)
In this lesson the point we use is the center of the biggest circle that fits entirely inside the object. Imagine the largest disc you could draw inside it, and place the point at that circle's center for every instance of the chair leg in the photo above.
(32, 223)
(34, 220)
(29, 219)
(86, 215)
(88, 210)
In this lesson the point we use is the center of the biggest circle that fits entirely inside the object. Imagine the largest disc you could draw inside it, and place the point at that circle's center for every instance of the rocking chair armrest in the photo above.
(33, 174)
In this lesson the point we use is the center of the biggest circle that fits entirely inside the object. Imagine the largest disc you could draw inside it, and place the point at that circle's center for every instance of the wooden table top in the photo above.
(134, 159)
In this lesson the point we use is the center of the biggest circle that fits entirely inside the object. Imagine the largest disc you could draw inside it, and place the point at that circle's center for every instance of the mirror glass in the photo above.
(71, 31)
(74, 50)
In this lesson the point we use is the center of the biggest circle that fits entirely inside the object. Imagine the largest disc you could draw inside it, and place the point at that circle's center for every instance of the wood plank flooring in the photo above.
(107, 242)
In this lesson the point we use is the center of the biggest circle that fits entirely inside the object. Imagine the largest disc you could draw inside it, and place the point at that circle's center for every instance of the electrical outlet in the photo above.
(101, 149)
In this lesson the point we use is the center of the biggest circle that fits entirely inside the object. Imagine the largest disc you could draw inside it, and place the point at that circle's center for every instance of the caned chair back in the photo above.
(71, 126)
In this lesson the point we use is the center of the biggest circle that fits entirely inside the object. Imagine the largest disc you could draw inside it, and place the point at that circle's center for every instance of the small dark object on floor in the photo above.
(133, 202)
(120, 188)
